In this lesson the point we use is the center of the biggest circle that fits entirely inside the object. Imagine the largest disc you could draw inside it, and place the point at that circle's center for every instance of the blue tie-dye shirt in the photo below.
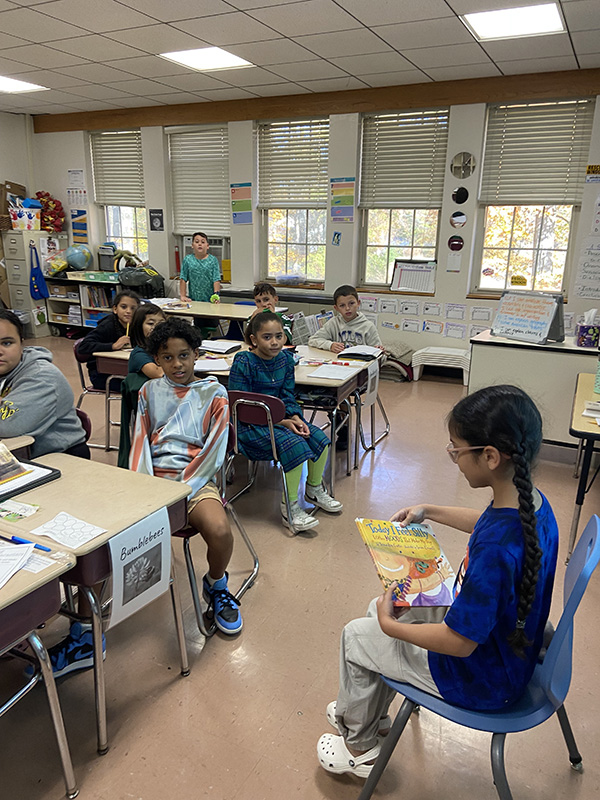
(485, 611)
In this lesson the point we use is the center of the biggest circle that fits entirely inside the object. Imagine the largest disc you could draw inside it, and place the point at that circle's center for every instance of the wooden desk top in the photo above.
(17, 442)
(23, 583)
(568, 346)
(101, 494)
(584, 427)
(215, 310)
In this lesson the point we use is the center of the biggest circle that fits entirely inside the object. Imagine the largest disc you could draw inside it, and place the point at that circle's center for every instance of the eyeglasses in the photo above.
(454, 452)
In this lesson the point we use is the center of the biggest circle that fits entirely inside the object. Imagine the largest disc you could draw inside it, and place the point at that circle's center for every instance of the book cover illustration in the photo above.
(9, 466)
(411, 556)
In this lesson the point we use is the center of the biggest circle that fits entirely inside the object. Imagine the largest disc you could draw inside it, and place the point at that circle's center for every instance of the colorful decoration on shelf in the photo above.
(53, 213)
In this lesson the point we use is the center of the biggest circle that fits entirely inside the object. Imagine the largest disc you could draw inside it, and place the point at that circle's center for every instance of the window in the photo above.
(199, 158)
(126, 226)
(402, 181)
(292, 191)
(532, 183)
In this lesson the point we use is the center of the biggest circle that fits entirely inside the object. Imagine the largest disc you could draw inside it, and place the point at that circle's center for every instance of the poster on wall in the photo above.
(241, 203)
(79, 225)
(342, 192)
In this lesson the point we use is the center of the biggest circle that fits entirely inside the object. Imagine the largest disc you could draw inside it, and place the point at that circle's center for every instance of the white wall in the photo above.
(53, 154)
(15, 163)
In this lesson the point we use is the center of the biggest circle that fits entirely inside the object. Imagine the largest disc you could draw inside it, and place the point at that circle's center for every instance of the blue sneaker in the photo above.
(75, 652)
(224, 605)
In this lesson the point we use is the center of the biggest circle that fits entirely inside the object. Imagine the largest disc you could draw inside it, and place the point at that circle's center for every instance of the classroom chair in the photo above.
(359, 430)
(86, 423)
(545, 693)
(252, 408)
(108, 395)
(130, 388)
(18, 622)
(205, 624)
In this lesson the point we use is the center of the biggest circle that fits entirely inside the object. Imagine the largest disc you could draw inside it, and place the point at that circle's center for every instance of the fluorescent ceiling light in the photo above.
(12, 85)
(207, 58)
(509, 23)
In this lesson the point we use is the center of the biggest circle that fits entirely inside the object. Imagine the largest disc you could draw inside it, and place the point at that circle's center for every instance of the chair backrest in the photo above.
(253, 408)
(554, 674)
(86, 423)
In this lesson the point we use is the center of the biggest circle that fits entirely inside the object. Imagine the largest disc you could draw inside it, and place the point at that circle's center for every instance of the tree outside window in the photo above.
(409, 233)
(127, 227)
(296, 242)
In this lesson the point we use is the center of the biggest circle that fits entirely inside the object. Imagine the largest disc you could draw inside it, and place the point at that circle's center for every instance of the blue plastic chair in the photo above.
(545, 693)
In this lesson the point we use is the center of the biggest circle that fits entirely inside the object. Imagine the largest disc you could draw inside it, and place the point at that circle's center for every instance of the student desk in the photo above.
(588, 432)
(231, 311)
(19, 445)
(114, 499)
(26, 601)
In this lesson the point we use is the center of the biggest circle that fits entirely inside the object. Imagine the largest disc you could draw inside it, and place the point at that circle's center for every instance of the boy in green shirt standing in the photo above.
(201, 271)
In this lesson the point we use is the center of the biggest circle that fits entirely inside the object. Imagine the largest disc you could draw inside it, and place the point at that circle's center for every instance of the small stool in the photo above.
(441, 357)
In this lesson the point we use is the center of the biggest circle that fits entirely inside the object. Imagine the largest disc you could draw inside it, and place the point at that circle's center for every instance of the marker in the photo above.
(19, 540)
(341, 363)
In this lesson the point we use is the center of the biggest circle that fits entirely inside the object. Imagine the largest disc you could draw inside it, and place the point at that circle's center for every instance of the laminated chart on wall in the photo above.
(413, 276)
(587, 280)
(241, 203)
(79, 224)
(342, 194)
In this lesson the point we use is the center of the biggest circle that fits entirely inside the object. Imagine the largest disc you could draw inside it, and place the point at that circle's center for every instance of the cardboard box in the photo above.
(10, 190)
(57, 290)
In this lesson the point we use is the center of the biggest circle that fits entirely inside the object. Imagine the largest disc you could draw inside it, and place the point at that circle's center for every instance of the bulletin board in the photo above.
(530, 317)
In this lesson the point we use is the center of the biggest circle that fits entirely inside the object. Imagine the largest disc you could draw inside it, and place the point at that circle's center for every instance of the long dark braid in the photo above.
(506, 418)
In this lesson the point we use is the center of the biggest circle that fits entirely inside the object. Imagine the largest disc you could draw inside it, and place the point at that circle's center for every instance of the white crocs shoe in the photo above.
(301, 521)
(318, 496)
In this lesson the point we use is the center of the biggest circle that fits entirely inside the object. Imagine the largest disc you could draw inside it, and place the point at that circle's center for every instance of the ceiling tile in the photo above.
(248, 76)
(388, 12)
(463, 71)
(138, 86)
(275, 51)
(47, 77)
(589, 61)
(376, 62)
(425, 34)
(35, 26)
(137, 102)
(309, 16)
(38, 55)
(56, 96)
(245, 5)
(10, 41)
(583, 15)
(192, 82)
(6, 6)
(279, 90)
(149, 66)
(448, 55)
(95, 48)
(223, 29)
(344, 43)
(156, 39)
(176, 98)
(537, 65)
(335, 84)
(307, 70)
(586, 42)
(95, 91)
(471, 6)
(180, 9)
(55, 109)
(396, 78)
(528, 47)
(85, 13)
(228, 94)
(92, 105)
(9, 67)
(96, 73)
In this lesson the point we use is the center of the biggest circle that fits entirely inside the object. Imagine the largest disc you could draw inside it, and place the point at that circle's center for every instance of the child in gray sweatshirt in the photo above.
(349, 327)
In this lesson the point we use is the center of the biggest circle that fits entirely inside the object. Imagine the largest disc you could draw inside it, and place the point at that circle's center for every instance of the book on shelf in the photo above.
(412, 557)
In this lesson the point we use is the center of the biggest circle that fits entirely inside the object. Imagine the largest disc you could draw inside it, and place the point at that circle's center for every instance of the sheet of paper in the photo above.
(412, 325)
(68, 530)
(410, 307)
(12, 559)
(455, 331)
(432, 309)
(430, 326)
(12, 510)
(456, 311)
(361, 350)
(333, 372)
(210, 365)
(36, 563)
(481, 313)
(220, 345)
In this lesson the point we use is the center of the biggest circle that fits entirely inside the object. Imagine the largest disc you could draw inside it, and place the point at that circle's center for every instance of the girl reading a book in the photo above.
(269, 370)
(480, 652)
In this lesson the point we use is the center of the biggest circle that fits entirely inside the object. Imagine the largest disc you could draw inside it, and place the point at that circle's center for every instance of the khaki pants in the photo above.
(366, 652)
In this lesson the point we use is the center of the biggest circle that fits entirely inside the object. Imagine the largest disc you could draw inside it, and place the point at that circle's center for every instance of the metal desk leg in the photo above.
(332, 450)
(357, 425)
(176, 600)
(57, 718)
(578, 459)
(107, 421)
(99, 685)
(588, 449)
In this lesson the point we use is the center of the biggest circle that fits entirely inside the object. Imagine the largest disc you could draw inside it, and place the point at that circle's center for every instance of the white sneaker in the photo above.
(318, 496)
(301, 521)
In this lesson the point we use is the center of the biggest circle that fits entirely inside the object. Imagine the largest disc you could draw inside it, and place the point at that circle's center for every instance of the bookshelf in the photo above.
(81, 299)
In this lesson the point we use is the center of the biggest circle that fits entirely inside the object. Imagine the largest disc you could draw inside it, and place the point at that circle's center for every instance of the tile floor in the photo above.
(244, 724)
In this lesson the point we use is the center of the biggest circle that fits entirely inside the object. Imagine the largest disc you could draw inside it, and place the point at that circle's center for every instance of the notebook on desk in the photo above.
(36, 475)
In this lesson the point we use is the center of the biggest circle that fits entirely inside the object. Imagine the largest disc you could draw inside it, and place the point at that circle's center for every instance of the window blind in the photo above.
(200, 181)
(292, 163)
(536, 153)
(117, 168)
(403, 159)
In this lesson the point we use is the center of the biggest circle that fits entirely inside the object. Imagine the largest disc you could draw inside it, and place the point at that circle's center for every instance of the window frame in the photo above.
(264, 246)
(111, 237)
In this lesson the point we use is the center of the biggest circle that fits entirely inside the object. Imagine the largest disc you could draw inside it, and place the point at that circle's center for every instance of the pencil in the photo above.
(127, 331)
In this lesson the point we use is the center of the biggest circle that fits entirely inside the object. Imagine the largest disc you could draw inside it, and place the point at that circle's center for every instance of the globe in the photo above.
(78, 257)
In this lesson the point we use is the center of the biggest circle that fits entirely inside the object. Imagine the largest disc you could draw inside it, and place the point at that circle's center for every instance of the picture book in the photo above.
(411, 556)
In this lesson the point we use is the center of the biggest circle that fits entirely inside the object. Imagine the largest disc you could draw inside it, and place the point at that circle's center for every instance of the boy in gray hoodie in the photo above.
(349, 327)
(35, 397)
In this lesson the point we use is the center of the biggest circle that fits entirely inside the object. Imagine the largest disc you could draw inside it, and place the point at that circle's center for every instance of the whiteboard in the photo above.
(526, 316)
